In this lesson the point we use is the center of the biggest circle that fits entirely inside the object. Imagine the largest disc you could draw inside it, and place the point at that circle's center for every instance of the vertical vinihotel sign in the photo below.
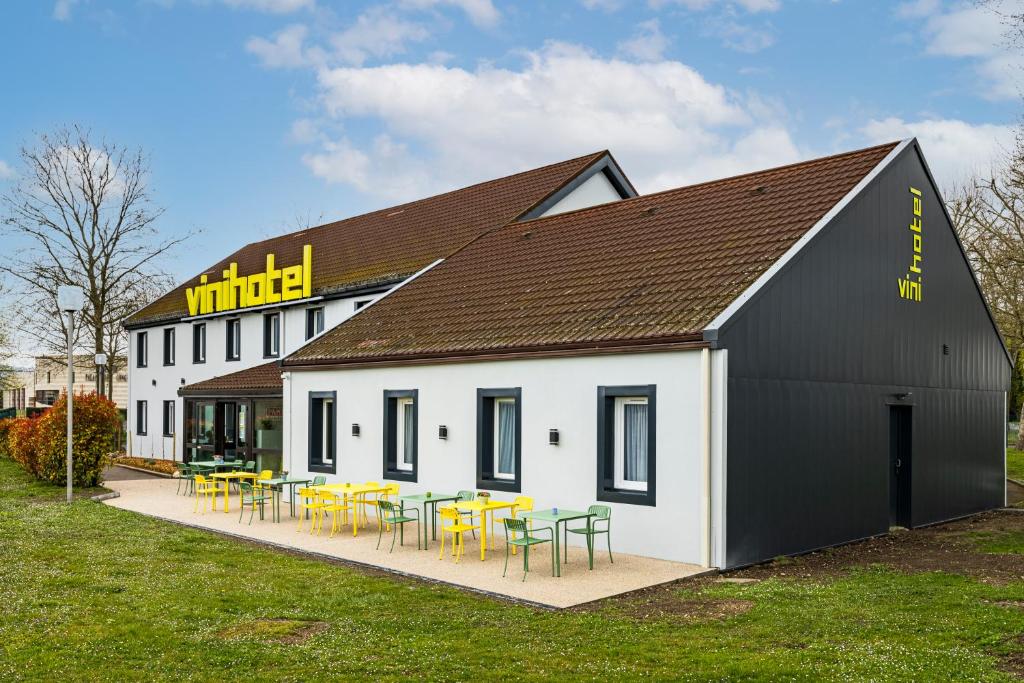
(910, 285)
(274, 285)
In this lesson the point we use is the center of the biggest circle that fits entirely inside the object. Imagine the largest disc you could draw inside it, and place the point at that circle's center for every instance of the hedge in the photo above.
(39, 444)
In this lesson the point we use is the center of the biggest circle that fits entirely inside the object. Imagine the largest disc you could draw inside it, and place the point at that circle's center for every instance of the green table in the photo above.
(277, 486)
(217, 465)
(426, 502)
(561, 517)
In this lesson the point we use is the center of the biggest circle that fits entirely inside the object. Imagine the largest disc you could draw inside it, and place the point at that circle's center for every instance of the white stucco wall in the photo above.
(556, 393)
(593, 191)
(168, 379)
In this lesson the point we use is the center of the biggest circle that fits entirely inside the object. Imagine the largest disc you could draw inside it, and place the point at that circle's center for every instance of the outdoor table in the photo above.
(356, 491)
(277, 486)
(428, 502)
(560, 518)
(483, 508)
(217, 465)
(226, 477)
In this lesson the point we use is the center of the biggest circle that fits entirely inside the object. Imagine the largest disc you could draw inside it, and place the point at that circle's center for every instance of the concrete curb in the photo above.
(106, 496)
(144, 470)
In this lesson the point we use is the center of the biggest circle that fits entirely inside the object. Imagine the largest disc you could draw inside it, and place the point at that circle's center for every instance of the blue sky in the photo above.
(259, 113)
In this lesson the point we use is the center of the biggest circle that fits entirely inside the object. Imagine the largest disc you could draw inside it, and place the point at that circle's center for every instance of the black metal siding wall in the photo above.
(816, 355)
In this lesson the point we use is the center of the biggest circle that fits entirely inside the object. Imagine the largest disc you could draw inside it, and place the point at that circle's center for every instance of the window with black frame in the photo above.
(233, 339)
(141, 349)
(322, 432)
(199, 343)
(271, 335)
(499, 434)
(168, 418)
(141, 417)
(314, 321)
(401, 434)
(626, 424)
(169, 346)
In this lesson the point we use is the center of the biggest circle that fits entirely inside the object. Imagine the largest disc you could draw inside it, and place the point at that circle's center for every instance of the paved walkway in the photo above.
(116, 473)
(156, 497)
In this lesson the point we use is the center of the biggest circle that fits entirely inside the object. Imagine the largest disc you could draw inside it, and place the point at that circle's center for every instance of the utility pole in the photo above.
(70, 300)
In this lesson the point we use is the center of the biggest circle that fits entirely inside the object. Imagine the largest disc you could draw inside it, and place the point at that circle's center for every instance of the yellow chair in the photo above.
(457, 529)
(264, 475)
(309, 501)
(364, 501)
(520, 504)
(207, 489)
(335, 505)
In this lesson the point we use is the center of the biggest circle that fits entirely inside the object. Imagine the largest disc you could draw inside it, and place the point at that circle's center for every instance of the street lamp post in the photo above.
(101, 366)
(70, 300)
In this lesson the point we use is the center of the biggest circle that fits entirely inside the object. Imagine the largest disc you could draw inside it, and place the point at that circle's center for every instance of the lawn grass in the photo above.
(90, 592)
(1015, 464)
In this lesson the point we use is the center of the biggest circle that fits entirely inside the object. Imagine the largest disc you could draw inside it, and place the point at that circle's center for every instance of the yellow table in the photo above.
(356, 491)
(226, 477)
(482, 508)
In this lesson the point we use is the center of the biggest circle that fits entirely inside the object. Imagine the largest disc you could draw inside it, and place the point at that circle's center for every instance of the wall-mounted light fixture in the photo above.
(442, 432)
(553, 437)
(182, 381)
(355, 429)
(154, 382)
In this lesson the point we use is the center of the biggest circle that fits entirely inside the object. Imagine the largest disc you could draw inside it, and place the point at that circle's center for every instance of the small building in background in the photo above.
(49, 379)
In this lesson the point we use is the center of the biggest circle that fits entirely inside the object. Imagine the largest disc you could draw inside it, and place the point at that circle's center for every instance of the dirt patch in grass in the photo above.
(667, 602)
(951, 548)
(1013, 663)
(284, 631)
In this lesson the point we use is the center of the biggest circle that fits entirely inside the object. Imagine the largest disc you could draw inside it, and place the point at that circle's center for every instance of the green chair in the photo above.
(319, 480)
(249, 466)
(396, 517)
(601, 513)
(464, 496)
(252, 497)
(185, 475)
(517, 533)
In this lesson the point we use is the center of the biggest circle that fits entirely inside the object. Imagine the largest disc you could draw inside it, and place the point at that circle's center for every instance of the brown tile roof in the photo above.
(259, 380)
(391, 244)
(656, 268)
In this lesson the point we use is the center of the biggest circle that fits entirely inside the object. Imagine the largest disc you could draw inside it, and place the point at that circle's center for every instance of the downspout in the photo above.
(705, 371)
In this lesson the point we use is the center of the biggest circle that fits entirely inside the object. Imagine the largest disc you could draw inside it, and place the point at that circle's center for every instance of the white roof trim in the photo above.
(767, 275)
(386, 294)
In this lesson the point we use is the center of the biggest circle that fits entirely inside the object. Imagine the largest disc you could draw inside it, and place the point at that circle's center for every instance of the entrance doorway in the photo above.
(900, 452)
(242, 428)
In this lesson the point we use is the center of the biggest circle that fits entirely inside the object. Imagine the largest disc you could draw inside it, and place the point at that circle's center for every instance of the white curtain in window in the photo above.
(407, 433)
(635, 446)
(507, 437)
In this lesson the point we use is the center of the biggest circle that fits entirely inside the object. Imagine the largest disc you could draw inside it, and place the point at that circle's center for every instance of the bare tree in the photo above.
(81, 214)
(988, 214)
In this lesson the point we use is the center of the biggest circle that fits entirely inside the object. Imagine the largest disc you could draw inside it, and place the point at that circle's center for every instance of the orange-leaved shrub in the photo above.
(20, 443)
(95, 437)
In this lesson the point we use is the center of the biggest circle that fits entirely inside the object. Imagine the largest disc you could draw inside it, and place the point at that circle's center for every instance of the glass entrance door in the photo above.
(201, 430)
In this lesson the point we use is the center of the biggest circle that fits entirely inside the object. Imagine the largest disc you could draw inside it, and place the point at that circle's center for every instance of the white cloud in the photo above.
(62, 9)
(739, 36)
(271, 6)
(918, 8)
(955, 149)
(483, 13)
(436, 122)
(752, 6)
(376, 33)
(6, 172)
(604, 5)
(647, 43)
(284, 51)
(969, 31)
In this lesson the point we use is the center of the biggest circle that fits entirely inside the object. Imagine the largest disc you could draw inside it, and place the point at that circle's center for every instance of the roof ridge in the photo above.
(401, 207)
(715, 181)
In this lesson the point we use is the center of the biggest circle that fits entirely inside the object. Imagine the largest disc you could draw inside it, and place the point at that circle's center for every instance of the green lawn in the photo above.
(89, 592)
(1015, 464)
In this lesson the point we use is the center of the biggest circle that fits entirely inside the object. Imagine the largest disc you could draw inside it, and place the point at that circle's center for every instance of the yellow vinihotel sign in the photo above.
(258, 289)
